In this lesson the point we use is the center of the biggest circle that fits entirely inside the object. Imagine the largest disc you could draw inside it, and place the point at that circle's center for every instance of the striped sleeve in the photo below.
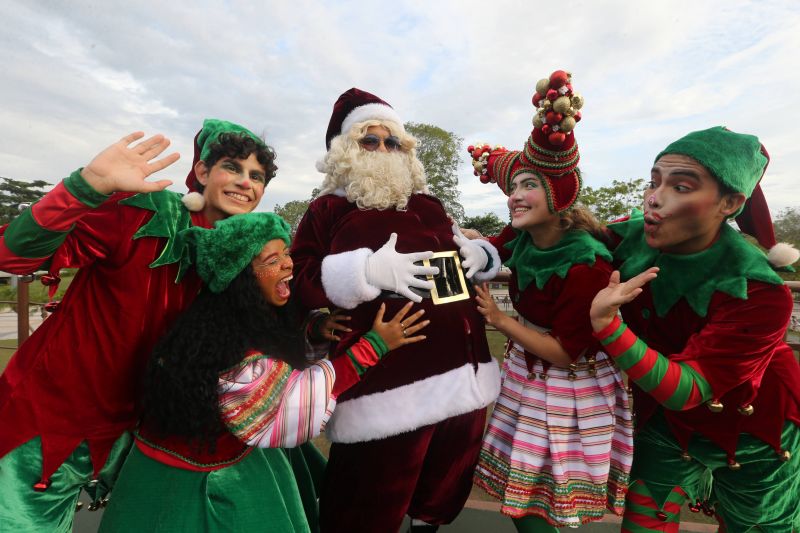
(677, 386)
(35, 235)
(267, 404)
(358, 359)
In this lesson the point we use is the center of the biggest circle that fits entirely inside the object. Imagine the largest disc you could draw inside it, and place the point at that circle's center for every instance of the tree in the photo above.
(14, 193)
(292, 212)
(439, 150)
(488, 224)
(614, 201)
(787, 226)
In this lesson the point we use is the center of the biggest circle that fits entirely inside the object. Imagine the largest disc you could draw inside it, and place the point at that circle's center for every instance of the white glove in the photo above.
(392, 271)
(475, 257)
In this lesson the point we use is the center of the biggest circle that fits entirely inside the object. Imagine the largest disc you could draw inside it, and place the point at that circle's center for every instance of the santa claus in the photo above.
(406, 437)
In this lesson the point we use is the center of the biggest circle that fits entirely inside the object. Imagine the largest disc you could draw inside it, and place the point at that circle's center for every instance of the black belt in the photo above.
(450, 284)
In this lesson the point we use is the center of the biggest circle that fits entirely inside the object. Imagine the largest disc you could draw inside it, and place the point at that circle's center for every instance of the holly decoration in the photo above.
(557, 106)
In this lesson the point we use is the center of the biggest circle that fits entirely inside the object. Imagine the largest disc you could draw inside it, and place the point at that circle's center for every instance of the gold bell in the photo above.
(715, 406)
(531, 376)
(733, 465)
(542, 376)
(785, 455)
(685, 456)
(746, 410)
(572, 375)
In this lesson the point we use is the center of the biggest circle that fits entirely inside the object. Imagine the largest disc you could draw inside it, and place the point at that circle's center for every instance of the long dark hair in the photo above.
(216, 331)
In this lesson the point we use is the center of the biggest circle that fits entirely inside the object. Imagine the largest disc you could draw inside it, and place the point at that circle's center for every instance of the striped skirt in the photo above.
(558, 446)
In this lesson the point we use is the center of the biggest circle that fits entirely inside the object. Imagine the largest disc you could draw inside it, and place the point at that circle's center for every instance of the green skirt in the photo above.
(271, 490)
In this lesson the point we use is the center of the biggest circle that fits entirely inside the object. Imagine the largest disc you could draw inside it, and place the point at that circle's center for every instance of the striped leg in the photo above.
(643, 515)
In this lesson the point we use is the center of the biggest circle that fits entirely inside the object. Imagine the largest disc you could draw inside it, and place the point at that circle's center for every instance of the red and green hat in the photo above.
(738, 161)
(550, 152)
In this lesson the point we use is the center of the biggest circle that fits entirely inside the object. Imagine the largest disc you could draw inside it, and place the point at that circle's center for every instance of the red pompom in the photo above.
(552, 95)
(558, 79)
(556, 138)
(536, 99)
(553, 118)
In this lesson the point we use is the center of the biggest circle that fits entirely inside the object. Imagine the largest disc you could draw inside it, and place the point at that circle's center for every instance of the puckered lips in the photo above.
(652, 221)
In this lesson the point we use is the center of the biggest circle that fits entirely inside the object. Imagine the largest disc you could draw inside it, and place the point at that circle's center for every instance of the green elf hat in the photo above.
(212, 129)
(738, 161)
(221, 253)
(550, 151)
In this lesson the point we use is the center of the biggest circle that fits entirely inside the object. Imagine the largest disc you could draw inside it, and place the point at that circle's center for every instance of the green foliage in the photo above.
(488, 224)
(16, 192)
(787, 226)
(614, 201)
(439, 150)
(292, 212)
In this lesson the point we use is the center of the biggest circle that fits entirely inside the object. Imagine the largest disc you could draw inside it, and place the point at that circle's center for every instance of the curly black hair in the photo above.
(240, 146)
(180, 395)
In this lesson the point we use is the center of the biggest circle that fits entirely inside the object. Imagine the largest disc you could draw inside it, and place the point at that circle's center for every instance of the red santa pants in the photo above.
(426, 473)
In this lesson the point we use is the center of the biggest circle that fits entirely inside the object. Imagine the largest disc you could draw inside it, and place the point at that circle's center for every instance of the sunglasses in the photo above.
(371, 143)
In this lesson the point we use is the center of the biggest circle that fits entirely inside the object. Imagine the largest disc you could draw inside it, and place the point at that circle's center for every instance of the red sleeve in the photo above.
(571, 324)
(310, 246)
(498, 241)
(740, 337)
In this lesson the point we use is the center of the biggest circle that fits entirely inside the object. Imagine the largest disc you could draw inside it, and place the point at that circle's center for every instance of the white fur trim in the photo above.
(491, 251)
(370, 112)
(417, 404)
(783, 254)
(194, 201)
(344, 278)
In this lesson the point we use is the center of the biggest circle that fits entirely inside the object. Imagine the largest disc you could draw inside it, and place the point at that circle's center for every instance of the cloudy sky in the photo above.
(78, 75)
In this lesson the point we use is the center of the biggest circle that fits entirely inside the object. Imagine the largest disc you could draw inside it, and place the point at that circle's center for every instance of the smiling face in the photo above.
(273, 270)
(683, 208)
(232, 186)
(527, 202)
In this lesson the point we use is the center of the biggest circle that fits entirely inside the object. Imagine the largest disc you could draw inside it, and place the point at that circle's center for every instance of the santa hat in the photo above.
(550, 151)
(738, 161)
(355, 106)
(212, 129)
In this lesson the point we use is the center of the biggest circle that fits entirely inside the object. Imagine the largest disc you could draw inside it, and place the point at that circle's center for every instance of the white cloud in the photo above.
(79, 75)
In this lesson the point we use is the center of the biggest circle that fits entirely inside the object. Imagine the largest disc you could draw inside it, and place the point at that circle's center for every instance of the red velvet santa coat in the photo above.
(77, 377)
(449, 373)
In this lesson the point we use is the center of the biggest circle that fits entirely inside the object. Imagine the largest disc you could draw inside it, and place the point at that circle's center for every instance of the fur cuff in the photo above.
(783, 254)
(344, 278)
(494, 259)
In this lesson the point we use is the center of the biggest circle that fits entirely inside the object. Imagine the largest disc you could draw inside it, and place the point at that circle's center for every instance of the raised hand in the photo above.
(487, 307)
(123, 168)
(608, 301)
(400, 330)
(390, 270)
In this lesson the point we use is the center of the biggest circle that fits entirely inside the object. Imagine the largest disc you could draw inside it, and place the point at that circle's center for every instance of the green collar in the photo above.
(531, 263)
(724, 266)
(170, 217)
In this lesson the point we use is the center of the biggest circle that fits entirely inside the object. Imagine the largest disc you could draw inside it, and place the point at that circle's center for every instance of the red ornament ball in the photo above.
(536, 99)
(552, 95)
(558, 79)
(556, 138)
(577, 116)
(484, 178)
(553, 118)
(470, 148)
(546, 129)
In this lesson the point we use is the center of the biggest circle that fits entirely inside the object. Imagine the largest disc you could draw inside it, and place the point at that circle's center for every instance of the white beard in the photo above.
(378, 180)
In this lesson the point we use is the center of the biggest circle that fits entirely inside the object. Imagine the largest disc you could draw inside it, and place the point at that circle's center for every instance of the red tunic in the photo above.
(78, 376)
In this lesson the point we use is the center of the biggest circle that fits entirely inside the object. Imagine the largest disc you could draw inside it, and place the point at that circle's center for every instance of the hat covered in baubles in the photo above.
(550, 152)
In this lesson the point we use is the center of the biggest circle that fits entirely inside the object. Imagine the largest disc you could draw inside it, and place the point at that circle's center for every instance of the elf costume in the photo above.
(68, 397)
(559, 443)
(715, 387)
(406, 437)
(246, 482)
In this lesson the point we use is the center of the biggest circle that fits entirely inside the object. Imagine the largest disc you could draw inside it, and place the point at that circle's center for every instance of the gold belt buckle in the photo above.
(449, 285)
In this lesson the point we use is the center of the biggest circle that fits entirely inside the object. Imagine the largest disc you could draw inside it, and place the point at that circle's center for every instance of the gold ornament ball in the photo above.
(562, 104)
(542, 86)
(537, 121)
(567, 124)
(546, 104)
(577, 101)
